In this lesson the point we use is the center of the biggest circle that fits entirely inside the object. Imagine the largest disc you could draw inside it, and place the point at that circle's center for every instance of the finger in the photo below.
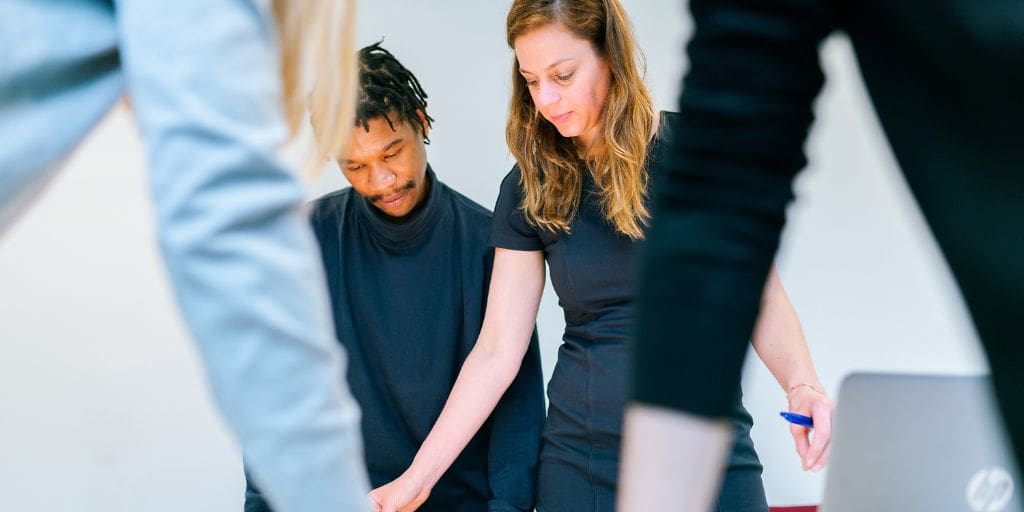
(411, 507)
(800, 439)
(802, 442)
(374, 501)
(416, 502)
(820, 441)
(424, 494)
(822, 462)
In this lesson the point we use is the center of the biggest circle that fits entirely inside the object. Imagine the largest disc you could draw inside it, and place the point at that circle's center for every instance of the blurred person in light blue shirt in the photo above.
(208, 96)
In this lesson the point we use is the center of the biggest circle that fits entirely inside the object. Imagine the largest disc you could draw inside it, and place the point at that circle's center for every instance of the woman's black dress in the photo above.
(593, 272)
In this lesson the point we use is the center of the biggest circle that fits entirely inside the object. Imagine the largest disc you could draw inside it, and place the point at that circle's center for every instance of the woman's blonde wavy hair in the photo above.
(552, 166)
(318, 68)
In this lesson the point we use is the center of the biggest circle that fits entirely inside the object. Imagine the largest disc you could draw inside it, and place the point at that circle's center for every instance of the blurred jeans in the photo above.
(203, 79)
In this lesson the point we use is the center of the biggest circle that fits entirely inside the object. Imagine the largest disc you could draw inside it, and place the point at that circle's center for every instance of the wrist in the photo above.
(805, 385)
(420, 474)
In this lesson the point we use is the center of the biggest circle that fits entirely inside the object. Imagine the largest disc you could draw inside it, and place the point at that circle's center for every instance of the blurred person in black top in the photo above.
(408, 267)
(947, 81)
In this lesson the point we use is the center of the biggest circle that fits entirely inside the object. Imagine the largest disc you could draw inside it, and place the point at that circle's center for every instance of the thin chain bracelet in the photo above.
(802, 384)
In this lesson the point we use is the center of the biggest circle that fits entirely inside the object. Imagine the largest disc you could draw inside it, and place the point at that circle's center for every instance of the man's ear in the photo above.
(423, 123)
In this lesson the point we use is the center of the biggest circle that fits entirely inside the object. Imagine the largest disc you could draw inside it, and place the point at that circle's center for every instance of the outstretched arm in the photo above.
(517, 283)
(514, 445)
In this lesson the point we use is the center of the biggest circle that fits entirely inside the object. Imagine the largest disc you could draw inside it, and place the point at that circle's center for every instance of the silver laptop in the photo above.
(919, 443)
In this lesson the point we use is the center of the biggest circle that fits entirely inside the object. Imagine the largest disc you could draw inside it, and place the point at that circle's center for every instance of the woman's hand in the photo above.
(403, 494)
(813, 446)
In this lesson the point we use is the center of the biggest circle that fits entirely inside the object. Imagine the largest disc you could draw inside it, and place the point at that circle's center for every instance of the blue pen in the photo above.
(798, 419)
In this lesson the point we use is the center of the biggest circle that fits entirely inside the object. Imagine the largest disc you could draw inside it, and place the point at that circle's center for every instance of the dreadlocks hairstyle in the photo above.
(552, 167)
(386, 89)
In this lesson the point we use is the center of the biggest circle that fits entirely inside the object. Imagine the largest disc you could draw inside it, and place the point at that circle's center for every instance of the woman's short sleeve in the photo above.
(510, 230)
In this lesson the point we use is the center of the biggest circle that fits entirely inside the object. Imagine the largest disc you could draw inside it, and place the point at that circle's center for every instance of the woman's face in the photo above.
(567, 79)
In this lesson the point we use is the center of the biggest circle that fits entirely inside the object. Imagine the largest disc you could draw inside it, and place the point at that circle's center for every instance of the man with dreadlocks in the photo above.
(408, 267)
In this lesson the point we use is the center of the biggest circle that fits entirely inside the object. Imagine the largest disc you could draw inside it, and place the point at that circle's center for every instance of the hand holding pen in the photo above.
(810, 409)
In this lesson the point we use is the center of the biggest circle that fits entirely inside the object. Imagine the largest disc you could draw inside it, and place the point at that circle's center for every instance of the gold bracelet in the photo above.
(802, 384)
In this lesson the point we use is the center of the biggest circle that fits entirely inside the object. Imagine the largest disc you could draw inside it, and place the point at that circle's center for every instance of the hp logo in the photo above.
(990, 490)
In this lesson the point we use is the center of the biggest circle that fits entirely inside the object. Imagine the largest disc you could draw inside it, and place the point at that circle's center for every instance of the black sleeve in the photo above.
(510, 229)
(720, 201)
(514, 445)
(254, 501)
(315, 216)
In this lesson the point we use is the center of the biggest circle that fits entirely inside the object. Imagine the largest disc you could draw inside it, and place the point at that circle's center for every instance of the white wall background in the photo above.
(102, 404)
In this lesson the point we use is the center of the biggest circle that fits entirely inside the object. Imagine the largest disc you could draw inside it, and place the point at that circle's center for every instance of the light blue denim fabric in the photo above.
(202, 75)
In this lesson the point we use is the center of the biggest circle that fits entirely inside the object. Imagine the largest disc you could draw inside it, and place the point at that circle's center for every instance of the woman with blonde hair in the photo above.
(584, 133)
(212, 83)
